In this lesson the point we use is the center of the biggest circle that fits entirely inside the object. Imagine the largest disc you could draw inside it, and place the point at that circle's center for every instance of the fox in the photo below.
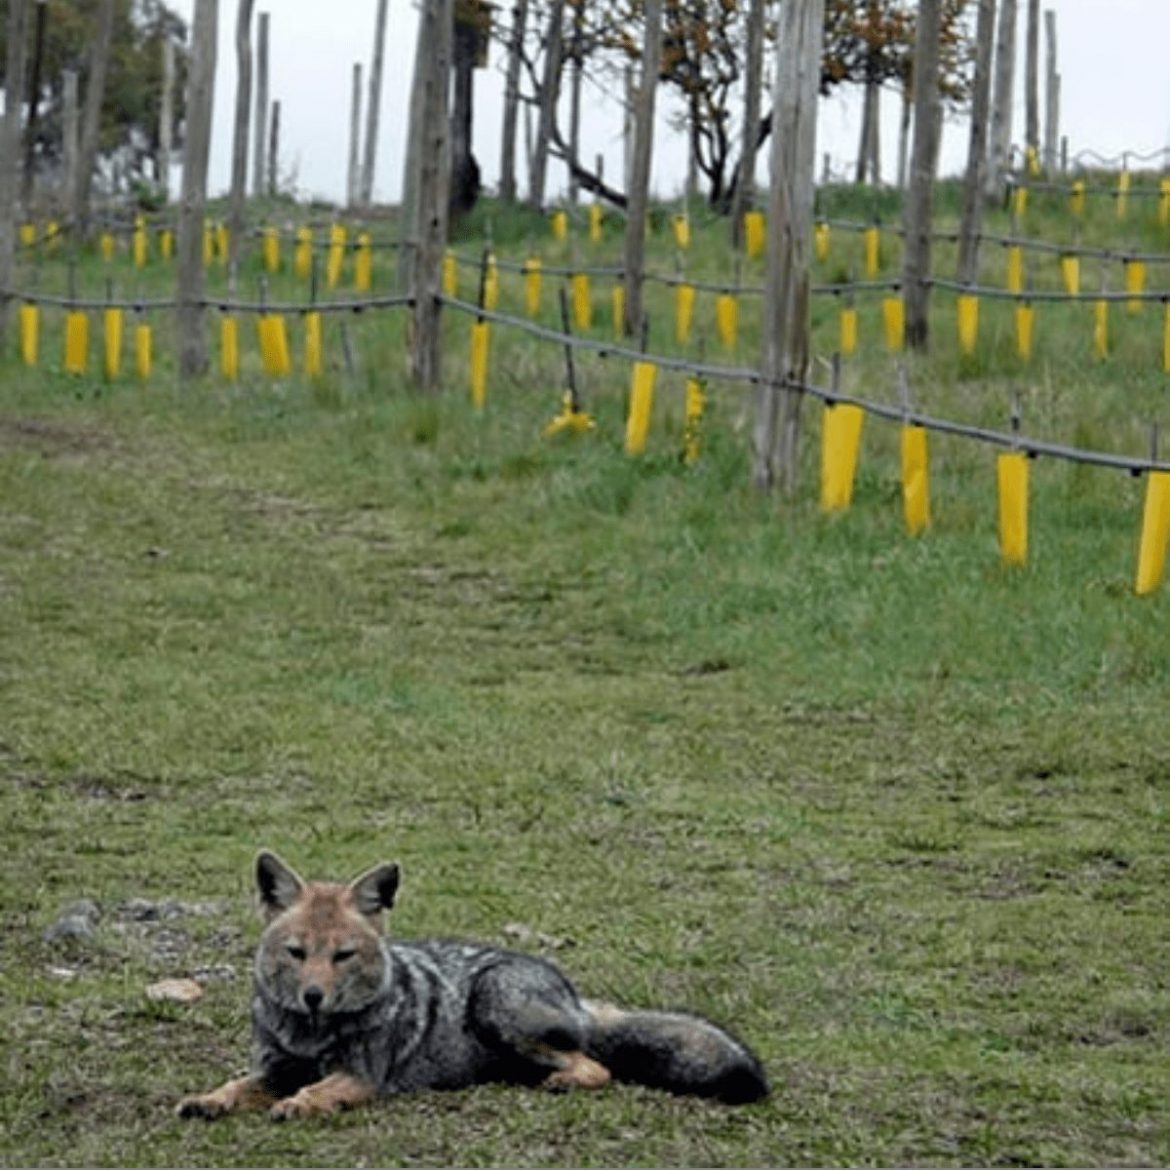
(342, 1014)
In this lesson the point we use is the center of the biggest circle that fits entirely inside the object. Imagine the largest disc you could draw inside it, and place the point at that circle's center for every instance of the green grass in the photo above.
(894, 813)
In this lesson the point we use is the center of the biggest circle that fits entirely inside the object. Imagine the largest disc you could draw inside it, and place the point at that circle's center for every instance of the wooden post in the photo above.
(432, 187)
(166, 117)
(631, 101)
(240, 132)
(971, 220)
(785, 321)
(919, 202)
(1051, 93)
(638, 193)
(261, 118)
(1032, 78)
(34, 97)
(190, 318)
(512, 102)
(550, 84)
(353, 171)
(904, 133)
(91, 117)
(1001, 108)
(17, 35)
(744, 198)
(271, 170)
(575, 95)
(374, 105)
(70, 132)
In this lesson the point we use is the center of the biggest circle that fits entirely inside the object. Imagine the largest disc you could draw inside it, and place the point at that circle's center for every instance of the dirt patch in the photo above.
(52, 440)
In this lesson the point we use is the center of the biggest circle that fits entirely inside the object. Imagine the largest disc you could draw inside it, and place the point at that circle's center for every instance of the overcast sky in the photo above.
(1111, 54)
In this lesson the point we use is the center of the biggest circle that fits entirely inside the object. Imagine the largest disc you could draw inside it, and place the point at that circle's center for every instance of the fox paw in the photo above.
(208, 1107)
(296, 1108)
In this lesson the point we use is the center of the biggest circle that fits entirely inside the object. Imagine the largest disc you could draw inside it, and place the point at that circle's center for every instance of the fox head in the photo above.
(320, 953)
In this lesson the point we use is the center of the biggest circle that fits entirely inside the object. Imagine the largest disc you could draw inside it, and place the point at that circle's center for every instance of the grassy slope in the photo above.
(895, 814)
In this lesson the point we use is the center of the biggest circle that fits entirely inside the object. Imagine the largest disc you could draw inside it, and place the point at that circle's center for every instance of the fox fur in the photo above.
(341, 1015)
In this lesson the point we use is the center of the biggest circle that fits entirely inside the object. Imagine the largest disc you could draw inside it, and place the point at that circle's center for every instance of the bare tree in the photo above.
(260, 130)
(512, 102)
(353, 172)
(923, 158)
(1032, 77)
(91, 118)
(1001, 108)
(637, 196)
(1051, 92)
(34, 95)
(70, 123)
(17, 34)
(745, 183)
(786, 323)
(549, 90)
(166, 116)
(972, 215)
(373, 107)
(240, 132)
(190, 320)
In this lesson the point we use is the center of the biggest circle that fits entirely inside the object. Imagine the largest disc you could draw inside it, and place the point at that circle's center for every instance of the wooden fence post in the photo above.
(374, 106)
(512, 102)
(260, 128)
(166, 117)
(549, 88)
(272, 173)
(1032, 78)
(1001, 107)
(353, 171)
(1051, 93)
(98, 59)
(972, 215)
(745, 182)
(240, 132)
(17, 33)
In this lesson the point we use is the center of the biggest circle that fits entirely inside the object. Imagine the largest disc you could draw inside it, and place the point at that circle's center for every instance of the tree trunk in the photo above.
(353, 172)
(91, 119)
(1032, 78)
(166, 117)
(190, 317)
(638, 194)
(904, 135)
(971, 221)
(786, 319)
(17, 34)
(1001, 108)
(261, 119)
(575, 97)
(869, 148)
(464, 168)
(433, 68)
(34, 98)
(70, 132)
(240, 132)
(917, 224)
(1051, 93)
(550, 84)
(272, 170)
(375, 104)
(744, 198)
(411, 163)
(512, 102)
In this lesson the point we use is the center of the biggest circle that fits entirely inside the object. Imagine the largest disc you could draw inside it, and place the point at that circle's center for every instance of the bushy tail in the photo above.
(675, 1051)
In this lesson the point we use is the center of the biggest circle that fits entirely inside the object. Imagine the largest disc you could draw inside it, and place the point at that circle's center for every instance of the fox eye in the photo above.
(343, 954)
(296, 952)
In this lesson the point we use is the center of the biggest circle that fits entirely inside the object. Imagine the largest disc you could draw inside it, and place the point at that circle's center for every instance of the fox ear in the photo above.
(278, 884)
(374, 890)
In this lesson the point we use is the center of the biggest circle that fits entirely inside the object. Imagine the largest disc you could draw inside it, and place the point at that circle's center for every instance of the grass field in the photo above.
(894, 813)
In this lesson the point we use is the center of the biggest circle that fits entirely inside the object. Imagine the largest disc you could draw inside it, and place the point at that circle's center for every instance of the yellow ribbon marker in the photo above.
(143, 350)
(840, 440)
(76, 341)
(1123, 184)
(915, 480)
(871, 243)
(273, 337)
(166, 243)
(363, 263)
(491, 284)
(1155, 527)
(533, 285)
(560, 226)
(684, 312)
(1020, 202)
(1070, 272)
(1135, 283)
(681, 226)
(229, 348)
(1164, 202)
(618, 298)
(847, 329)
(727, 320)
(1012, 475)
(1025, 323)
(270, 249)
(106, 245)
(28, 235)
(894, 322)
(1015, 268)
(821, 239)
(113, 330)
(582, 301)
(595, 217)
(480, 340)
(313, 362)
(967, 316)
(30, 333)
(450, 277)
(138, 242)
(641, 402)
(753, 233)
(336, 255)
(1101, 328)
(303, 253)
(696, 402)
(1076, 198)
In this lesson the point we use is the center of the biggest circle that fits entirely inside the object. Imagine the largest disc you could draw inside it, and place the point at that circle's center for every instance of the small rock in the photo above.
(175, 990)
(63, 972)
(77, 921)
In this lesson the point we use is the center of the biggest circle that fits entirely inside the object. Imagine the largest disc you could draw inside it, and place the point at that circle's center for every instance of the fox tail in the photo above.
(676, 1051)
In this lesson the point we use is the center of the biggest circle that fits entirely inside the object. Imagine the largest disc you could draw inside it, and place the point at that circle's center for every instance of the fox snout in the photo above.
(312, 997)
